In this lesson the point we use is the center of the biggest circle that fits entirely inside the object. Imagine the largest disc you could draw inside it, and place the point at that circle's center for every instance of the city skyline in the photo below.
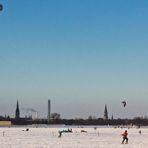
(29, 113)
(80, 54)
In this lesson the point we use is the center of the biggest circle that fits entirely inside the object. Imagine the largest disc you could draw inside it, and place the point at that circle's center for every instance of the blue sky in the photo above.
(81, 54)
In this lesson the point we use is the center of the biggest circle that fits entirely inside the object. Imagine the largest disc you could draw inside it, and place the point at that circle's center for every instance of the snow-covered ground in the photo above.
(47, 137)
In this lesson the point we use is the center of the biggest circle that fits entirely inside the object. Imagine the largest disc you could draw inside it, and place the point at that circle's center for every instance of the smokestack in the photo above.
(49, 108)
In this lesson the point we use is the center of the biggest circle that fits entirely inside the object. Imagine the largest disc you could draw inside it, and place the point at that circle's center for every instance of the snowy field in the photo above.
(47, 137)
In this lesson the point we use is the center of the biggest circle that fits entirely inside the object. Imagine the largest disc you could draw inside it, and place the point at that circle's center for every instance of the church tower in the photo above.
(17, 112)
(105, 113)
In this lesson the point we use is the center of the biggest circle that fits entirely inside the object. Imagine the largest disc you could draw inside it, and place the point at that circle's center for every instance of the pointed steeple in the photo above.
(105, 113)
(112, 117)
(17, 112)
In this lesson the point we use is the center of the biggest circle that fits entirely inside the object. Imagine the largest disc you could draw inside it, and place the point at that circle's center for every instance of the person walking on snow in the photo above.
(125, 137)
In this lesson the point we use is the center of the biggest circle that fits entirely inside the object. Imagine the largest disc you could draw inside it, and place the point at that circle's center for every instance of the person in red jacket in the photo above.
(125, 137)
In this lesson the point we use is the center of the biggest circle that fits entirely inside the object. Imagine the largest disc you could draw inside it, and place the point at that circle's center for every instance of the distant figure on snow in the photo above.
(83, 131)
(65, 131)
(27, 129)
(60, 134)
(125, 137)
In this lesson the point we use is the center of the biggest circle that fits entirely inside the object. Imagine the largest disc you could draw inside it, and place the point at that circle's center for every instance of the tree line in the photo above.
(89, 121)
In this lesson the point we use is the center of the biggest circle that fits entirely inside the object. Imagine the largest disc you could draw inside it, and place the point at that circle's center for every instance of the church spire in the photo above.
(17, 112)
(105, 113)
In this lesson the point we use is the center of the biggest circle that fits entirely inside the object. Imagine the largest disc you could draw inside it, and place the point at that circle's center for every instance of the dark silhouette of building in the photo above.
(17, 112)
(105, 113)
(112, 117)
